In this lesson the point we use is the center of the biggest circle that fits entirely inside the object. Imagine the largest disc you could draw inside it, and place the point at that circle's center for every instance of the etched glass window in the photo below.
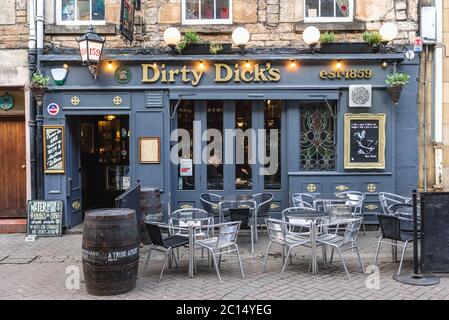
(206, 11)
(328, 10)
(317, 137)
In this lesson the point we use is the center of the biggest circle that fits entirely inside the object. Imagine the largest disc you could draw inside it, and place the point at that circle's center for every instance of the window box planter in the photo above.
(204, 48)
(345, 47)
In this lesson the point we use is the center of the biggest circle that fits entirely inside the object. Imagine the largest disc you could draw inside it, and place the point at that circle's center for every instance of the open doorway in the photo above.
(99, 167)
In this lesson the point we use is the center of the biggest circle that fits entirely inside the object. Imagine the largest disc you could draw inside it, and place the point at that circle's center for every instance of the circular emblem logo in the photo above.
(371, 187)
(53, 109)
(75, 100)
(311, 188)
(117, 100)
(123, 75)
(6, 102)
(360, 95)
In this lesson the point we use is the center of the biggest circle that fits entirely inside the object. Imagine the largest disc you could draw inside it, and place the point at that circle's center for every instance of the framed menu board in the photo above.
(44, 218)
(364, 141)
(150, 149)
(54, 149)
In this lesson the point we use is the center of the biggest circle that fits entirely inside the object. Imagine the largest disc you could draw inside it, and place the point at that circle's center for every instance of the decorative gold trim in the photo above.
(311, 187)
(274, 206)
(371, 187)
(117, 100)
(76, 205)
(75, 100)
(186, 206)
(364, 165)
(341, 188)
(371, 207)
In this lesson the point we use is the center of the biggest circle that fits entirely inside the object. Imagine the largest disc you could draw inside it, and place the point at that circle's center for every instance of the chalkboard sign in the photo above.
(53, 149)
(364, 141)
(44, 218)
(435, 231)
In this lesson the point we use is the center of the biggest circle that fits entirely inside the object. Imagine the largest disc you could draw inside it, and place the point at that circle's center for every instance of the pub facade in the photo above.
(327, 120)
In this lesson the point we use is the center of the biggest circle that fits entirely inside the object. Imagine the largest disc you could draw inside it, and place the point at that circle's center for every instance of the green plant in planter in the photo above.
(396, 82)
(372, 38)
(328, 37)
(39, 80)
(190, 37)
(215, 47)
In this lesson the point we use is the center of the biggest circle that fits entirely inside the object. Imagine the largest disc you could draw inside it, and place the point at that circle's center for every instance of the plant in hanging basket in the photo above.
(39, 86)
(192, 43)
(396, 82)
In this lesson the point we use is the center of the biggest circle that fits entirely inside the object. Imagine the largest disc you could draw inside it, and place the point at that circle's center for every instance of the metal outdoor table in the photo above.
(192, 226)
(313, 218)
(242, 199)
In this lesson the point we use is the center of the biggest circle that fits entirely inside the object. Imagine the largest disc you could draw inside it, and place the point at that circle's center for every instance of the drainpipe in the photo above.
(438, 97)
(32, 67)
(39, 115)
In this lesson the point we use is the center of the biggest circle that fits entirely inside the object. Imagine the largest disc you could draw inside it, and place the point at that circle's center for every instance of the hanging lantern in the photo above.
(91, 49)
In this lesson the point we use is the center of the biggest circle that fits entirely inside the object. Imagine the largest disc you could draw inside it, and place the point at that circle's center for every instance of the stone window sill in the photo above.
(54, 29)
(353, 26)
(208, 29)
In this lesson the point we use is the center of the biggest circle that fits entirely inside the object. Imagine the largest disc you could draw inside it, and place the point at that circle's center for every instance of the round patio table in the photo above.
(313, 217)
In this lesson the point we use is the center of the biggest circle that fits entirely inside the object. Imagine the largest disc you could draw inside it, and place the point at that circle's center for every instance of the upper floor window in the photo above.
(80, 12)
(206, 11)
(328, 10)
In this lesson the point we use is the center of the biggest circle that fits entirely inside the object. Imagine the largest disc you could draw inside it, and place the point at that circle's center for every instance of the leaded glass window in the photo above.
(317, 137)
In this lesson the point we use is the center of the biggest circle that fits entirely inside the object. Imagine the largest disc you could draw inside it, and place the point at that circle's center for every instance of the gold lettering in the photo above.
(145, 69)
(197, 75)
(323, 74)
(331, 75)
(237, 73)
(259, 74)
(226, 68)
(164, 74)
(244, 76)
(274, 74)
(172, 74)
(184, 73)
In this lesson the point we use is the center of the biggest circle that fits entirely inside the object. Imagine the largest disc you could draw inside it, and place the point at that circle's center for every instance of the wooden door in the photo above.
(12, 168)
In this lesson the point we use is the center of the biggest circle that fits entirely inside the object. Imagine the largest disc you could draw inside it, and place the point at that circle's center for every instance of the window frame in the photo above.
(186, 21)
(59, 20)
(350, 18)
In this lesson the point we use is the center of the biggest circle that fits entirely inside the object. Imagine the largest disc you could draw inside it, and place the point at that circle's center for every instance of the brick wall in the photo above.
(13, 24)
(277, 23)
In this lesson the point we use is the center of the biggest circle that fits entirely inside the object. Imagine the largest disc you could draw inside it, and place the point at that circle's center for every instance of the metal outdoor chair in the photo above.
(224, 242)
(299, 199)
(210, 203)
(345, 242)
(182, 217)
(161, 244)
(278, 232)
(389, 199)
(355, 199)
(391, 229)
(243, 211)
(263, 206)
(296, 216)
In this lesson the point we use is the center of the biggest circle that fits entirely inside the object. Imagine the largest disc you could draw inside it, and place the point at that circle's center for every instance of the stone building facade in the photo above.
(14, 75)
(272, 23)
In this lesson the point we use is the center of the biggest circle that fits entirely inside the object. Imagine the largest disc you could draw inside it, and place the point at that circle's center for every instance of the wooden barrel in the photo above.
(110, 251)
(150, 204)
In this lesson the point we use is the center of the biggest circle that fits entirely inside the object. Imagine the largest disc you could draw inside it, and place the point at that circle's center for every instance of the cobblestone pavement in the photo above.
(37, 270)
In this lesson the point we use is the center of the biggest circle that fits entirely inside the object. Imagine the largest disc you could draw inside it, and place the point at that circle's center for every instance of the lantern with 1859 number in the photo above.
(91, 48)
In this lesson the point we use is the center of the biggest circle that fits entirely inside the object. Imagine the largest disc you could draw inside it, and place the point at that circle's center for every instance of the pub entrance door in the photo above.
(13, 168)
(243, 165)
(98, 163)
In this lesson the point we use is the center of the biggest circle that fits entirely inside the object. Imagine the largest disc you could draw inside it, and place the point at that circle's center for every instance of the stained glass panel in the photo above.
(317, 137)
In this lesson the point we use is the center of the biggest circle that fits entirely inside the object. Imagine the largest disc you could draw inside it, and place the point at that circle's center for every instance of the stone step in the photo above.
(13, 226)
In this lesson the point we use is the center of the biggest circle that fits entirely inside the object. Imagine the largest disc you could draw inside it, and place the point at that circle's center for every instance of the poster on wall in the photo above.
(127, 13)
(44, 218)
(150, 149)
(364, 141)
(53, 149)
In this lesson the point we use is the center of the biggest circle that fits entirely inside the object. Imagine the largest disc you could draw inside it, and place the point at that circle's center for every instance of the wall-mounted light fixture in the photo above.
(172, 36)
(388, 31)
(293, 65)
(201, 66)
(384, 64)
(91, 49)
(311, 37)
(241, 37)
(338, 65)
